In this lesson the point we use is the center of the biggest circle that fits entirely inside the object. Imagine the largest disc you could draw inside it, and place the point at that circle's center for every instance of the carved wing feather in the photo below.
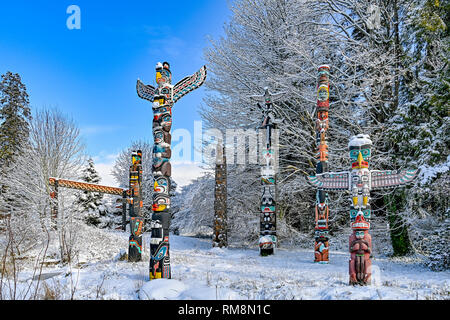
(331, 181)
(189, 84)
(273, 96)
(391, 178)
(145, 91)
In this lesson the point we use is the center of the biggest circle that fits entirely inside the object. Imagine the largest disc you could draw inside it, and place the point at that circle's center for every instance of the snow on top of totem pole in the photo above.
(360, 140)
(159, 65)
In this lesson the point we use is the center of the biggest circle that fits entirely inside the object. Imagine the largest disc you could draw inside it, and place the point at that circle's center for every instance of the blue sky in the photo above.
(90, 74)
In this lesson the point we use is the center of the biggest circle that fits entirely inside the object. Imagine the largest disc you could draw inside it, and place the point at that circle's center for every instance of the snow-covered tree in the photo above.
(15, 114)
(379, 59)
(54, 149)
(420, 131)
(91, 202)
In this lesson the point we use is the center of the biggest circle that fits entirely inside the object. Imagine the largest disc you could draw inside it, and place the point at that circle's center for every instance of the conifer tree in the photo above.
(91, 202)
(419, 133)
(14, 116)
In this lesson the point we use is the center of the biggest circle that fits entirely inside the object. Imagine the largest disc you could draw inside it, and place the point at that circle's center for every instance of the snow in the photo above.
(200, 272)
(427, 173)
(360, 140)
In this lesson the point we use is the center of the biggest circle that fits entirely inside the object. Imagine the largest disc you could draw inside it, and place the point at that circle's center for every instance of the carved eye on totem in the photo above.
(353, 214)
(367, 214)
(354, 154)
(166, 92)
(163, 76)
(166, 120)
(365, 153)
(161, 185)
(158, 137)
(162, 200)
(359, 234)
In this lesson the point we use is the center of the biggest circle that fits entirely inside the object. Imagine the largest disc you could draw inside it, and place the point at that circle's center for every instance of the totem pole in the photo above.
(268, 222)
(163, 98)
(136, 211)
(54, 203)
(321, 247)
(220, 199)
(359, 182)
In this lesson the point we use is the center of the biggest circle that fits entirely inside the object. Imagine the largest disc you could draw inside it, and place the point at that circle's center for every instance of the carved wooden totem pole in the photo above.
(163, 98)
(268, 215)
(220, 238)
(359, 182)
(321, 247)
(136, 211)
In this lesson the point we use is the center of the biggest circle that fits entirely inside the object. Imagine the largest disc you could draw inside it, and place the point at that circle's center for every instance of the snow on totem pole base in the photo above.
(163, 97)
(359, 182)
(268, 224)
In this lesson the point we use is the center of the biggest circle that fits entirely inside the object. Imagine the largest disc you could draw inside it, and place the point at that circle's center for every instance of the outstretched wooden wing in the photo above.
(189, 84)
(391, 178)
(145, 91)
(268, 97)
(331, 181)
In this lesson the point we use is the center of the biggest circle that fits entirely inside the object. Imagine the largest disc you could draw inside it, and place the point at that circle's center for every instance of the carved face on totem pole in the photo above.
(323, 90)
(360, 152)
(136, 157)
(321, 235)
(163, 74)
(161, 185)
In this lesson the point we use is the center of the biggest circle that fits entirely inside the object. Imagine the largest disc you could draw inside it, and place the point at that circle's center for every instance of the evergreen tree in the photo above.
(91, 202)
(14, 116)
(419, 133)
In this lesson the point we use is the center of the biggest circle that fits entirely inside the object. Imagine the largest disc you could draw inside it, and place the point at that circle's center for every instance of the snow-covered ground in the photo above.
(201, 272)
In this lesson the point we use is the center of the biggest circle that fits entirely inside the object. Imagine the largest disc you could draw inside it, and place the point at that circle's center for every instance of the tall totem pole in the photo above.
(136, 211)
(220, 238)
(163, 98)
(359, 182)
(321, 235)
(268, 217)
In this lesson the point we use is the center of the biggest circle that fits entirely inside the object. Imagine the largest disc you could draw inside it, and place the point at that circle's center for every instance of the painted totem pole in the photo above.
(163, 98)
(359, 182)
(54, 203)
(268, 218)
(321, 236)
(220, 238)
(136, 211)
